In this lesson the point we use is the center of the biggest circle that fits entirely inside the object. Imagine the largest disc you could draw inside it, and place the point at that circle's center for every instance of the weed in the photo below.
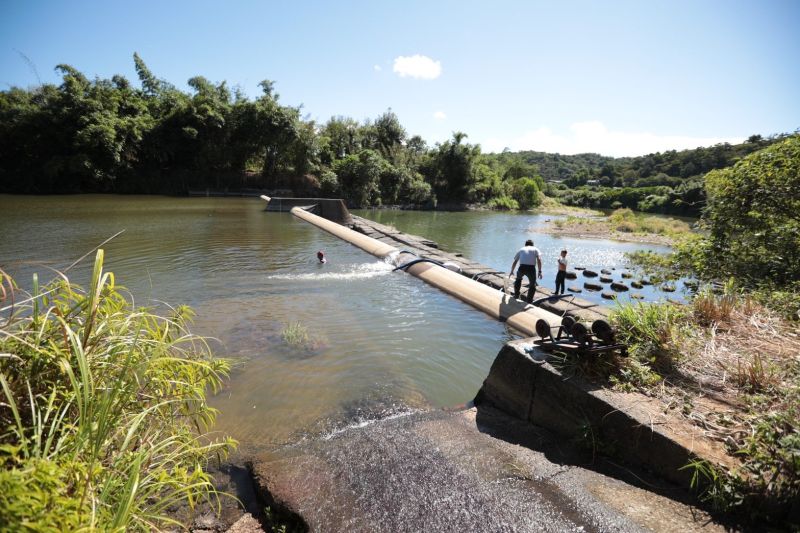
(650, 331)
(754, 376)
(297, 337)
(103, 410)
(722, 490)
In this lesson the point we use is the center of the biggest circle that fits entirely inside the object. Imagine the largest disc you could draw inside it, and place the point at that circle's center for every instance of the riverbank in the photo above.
(621, 225)
(730, 367)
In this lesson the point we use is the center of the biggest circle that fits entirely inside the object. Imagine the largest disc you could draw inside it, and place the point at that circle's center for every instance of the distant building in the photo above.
(592, 182)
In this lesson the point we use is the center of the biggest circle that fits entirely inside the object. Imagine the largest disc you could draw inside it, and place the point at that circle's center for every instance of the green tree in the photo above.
(526, 191)
(360, 177)
(753, 216)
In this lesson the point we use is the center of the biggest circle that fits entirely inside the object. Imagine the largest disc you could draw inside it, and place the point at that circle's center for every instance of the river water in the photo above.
(386, 343)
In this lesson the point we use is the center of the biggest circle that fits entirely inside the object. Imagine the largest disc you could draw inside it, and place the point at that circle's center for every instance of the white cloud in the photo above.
(377, 68)
(417, 66)
(593, 136)
(439, 115)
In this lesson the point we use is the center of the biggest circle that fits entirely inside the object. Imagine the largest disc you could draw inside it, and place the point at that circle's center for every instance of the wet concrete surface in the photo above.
(467, 470)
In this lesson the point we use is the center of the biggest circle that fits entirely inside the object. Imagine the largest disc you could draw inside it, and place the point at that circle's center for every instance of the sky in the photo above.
(620, 78)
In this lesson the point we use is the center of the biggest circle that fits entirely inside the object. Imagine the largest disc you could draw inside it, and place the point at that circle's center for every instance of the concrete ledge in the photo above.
(332, 209)
(630, 426)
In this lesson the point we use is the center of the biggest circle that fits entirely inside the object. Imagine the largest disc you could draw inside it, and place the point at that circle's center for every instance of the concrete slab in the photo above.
(631, 425)
(449, 471)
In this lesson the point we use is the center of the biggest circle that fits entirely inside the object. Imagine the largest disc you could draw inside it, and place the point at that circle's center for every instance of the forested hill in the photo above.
(109, 135)
(663, 168)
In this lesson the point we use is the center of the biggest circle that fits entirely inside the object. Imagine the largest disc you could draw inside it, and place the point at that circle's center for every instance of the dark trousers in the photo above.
(561, 277)
(530, 272)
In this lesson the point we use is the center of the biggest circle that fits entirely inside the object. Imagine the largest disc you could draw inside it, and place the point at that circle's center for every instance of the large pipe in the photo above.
(495, 303)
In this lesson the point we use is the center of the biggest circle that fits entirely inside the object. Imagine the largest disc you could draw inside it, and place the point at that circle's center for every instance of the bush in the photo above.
(503, 203)
(103, 410)
(650, 331)
(329, 184)
(753, 216)
(526, 192)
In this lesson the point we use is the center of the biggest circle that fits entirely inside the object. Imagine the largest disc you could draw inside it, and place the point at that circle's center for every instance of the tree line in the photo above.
(670, 182)
(107, 135)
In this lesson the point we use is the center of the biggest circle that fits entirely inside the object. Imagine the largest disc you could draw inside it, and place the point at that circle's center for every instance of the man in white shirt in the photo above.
(529, 258)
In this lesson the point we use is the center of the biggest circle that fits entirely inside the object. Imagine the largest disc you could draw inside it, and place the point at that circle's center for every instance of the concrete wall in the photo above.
(630, 426)
(329, 208)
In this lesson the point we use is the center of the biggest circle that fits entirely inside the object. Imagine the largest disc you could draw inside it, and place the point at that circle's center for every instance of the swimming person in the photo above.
(529, 257)
(561, 275)
(321, 257)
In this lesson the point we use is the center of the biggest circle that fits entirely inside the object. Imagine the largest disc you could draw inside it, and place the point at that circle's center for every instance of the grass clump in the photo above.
(651, 332)
(103, 409)
(297, 337)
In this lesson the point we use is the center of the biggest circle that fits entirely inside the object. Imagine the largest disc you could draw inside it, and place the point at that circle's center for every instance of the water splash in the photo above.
(351, 272)
(362, 422)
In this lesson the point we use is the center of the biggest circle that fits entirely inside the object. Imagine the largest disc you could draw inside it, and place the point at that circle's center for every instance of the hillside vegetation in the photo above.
(108, 135)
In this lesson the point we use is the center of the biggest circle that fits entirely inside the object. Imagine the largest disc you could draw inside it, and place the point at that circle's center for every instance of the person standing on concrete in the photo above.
(561, 275)
(529, 258)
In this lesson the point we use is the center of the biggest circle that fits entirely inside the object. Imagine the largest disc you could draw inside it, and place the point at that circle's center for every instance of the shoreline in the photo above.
(599, 234)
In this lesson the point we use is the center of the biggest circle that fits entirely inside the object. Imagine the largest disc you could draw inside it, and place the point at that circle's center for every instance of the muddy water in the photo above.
(383, 343)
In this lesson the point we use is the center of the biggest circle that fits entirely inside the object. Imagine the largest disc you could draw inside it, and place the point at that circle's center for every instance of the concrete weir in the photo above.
(497, 304)
(502, 464)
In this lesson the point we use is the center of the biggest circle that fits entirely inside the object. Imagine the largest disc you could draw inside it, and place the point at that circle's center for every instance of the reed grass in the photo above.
(295, 334)
(298, 338)
(103, 412)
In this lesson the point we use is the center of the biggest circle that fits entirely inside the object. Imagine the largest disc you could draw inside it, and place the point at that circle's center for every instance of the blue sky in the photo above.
(615, 77)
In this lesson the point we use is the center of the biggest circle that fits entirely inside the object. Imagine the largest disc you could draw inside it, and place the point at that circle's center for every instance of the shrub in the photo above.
(526, 192)
(503, 203)
(103, 410)
(650, 331)
(752, 216)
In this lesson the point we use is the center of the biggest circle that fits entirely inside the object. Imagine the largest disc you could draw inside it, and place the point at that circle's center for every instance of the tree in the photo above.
(360, 176)
(753, 216)
(451, 168)
(526, 192)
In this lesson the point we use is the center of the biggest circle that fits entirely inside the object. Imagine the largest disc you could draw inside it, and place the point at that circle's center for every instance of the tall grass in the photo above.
(627, 221)
(103, 410)
(298, 338)
(651, 332)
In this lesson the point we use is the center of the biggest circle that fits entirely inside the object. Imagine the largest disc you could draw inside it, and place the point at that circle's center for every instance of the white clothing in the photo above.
(562, 261)
(528, 255)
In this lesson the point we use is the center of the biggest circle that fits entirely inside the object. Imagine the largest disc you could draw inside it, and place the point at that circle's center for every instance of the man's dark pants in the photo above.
(561, 276)
(530, 271)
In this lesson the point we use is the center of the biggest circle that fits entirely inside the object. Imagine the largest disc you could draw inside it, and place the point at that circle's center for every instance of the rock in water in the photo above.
(590, 273)
(637, 284)
(592, 286)
(608, 295)
(606, 271)
(571, 275)
(574, 288)
(619, 287)
(606, 279)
